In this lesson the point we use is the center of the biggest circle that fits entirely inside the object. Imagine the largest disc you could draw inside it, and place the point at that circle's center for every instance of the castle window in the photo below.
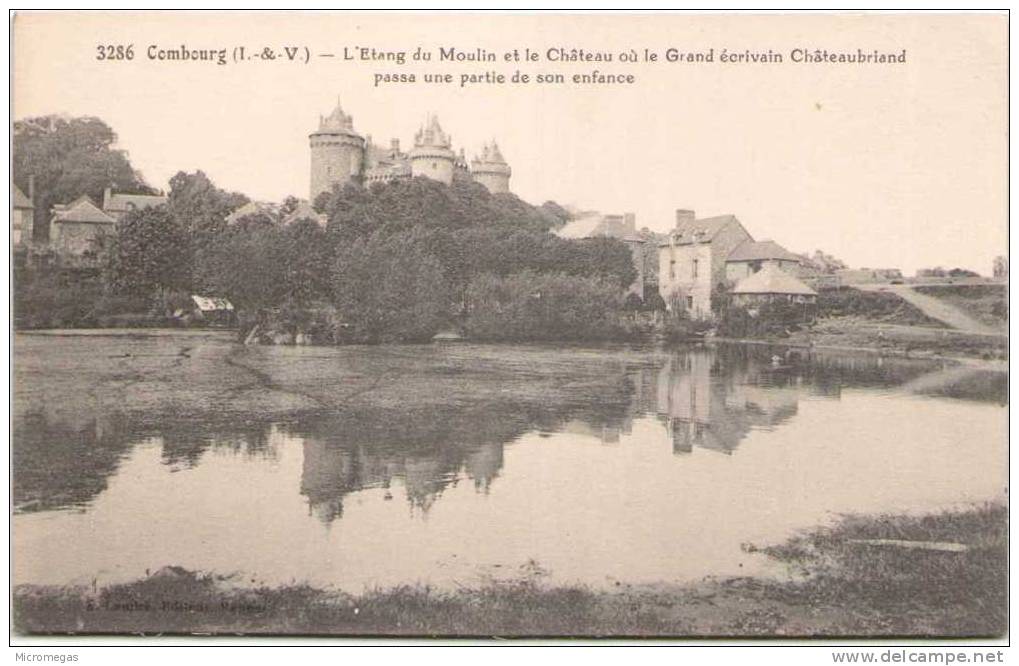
(435, 165)
(694, 268)
(689, 302)
(672, 268)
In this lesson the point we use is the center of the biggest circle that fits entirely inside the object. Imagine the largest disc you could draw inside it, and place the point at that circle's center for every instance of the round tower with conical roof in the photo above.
(337, 152)
(491, 170)
(433, 155)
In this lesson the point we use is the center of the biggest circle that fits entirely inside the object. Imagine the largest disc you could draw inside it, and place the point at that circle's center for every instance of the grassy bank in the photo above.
(987, 303)
(841, 588)
(852, 332)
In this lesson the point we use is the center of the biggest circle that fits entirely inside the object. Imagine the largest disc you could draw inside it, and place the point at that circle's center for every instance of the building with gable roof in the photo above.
(118, 204)
(772, 284)
(622, 227)
(751, 256)
(692, 260)
(22, 213)
(75, 227)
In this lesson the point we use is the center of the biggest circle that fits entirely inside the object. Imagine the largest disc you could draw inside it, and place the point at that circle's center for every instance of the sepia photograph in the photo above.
(519, 325)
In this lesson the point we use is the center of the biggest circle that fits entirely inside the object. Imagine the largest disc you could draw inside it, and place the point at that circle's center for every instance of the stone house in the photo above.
(116, 204)
(76, 226)
(22, 214)
(752, 256)
(254, 209)
(692, 260)
(304, 211)
(772, 285)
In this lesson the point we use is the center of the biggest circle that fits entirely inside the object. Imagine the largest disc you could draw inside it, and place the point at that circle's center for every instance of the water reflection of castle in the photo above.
(709, 399)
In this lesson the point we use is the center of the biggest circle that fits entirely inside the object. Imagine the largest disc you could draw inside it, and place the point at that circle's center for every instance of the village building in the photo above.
(622, 227)
(76, 227)
(340, 155)
(752, 256)
(23, 214)
(692, 261)
(772, 285)
(304, 211)
(117, 204)
(254, 209)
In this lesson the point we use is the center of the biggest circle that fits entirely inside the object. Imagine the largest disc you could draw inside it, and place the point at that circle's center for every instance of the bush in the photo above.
(540, 306)
(56, 301)
(388, 290)
(874, 305)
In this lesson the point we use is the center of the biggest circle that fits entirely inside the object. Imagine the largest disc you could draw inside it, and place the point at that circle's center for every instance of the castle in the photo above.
(339, 155)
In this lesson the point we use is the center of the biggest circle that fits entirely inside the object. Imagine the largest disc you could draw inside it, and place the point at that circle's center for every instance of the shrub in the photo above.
(389, 290)
(541, 306)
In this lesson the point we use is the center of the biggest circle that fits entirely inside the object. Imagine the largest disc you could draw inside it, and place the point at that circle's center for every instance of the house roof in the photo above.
(125, 202)
(251, 208)
(20, 200)
(761, 250)
(772, 280)
(304, 211)
(703, 230)
(596, 225)
(83, 210)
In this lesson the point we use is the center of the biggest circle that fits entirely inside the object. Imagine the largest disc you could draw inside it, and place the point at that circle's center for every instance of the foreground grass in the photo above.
(843, 589)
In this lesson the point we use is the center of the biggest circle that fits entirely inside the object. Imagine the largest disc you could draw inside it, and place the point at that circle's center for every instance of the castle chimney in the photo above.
(107, 195)
(394, 146)
(683, 216)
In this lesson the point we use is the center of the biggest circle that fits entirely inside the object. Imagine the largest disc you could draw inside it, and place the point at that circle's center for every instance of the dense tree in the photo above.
(150, 254)
(390, 290)
(199, 206)
(543, 306)
(69, 157)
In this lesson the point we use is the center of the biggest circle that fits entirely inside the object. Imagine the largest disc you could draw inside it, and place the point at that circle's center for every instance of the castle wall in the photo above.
(335, 158)
(495, 182)
(434, 167)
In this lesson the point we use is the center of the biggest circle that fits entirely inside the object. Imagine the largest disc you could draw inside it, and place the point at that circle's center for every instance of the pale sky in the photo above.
(882, 165)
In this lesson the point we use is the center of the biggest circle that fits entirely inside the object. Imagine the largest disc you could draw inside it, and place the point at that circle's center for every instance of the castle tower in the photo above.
(337, 152)
(432, 156)
(490, 169)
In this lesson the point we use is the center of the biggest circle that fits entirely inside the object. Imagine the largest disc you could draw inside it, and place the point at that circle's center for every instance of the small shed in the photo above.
(770, 285)
(213, 310)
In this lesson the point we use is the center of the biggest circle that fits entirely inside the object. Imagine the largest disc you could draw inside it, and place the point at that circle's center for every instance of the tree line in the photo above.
(394, 262)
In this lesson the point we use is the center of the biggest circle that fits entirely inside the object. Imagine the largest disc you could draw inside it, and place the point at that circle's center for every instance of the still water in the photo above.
(694, 453)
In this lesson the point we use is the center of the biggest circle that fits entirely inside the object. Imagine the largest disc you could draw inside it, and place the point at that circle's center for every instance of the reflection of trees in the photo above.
(61, 461)
(709, 398)
(57, 464)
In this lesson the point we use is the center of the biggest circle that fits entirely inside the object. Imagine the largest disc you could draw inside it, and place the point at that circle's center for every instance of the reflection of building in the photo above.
(708, 409)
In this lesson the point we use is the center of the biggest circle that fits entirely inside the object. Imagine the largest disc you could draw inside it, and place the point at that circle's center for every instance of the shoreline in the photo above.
(880, 575)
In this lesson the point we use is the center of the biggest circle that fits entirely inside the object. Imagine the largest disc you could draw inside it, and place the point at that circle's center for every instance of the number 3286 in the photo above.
(115, 52)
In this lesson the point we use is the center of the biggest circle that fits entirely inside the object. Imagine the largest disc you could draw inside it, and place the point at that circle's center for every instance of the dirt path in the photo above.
(936, 309)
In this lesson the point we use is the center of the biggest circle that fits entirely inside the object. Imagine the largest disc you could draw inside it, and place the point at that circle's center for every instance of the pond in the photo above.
(454, 465)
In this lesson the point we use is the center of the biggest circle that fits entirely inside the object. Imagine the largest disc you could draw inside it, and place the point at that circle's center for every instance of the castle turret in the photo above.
(337, 152)
(432, 156)
(491, 170)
